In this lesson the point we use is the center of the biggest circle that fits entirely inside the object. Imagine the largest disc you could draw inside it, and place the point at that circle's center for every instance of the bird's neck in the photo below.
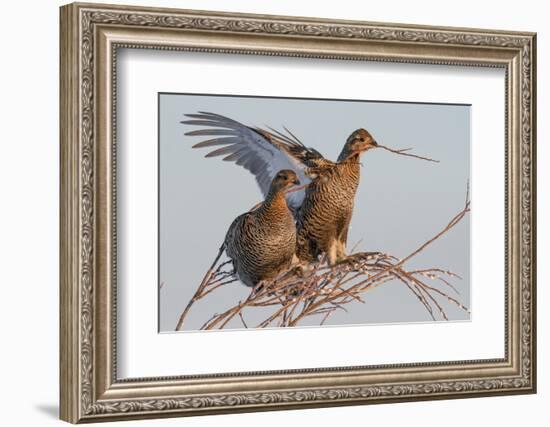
(351, 169)
(346, 155)
(274, 204)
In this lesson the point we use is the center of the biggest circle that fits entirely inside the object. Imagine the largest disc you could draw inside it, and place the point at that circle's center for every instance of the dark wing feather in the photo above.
(233, 235)
(262, 152)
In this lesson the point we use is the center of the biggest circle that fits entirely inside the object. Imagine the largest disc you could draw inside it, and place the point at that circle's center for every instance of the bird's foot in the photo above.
(354, 259)
(350, 260)
(367, 256)
(295, 275)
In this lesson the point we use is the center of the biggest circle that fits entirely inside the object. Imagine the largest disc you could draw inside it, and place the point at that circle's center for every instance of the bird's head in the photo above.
(357, 143)
(284, 180)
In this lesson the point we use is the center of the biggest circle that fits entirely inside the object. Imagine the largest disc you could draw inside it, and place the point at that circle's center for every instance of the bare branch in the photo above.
(402, 152)
(318, 289)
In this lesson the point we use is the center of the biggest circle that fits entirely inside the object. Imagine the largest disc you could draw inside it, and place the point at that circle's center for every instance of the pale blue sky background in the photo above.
(401, 202)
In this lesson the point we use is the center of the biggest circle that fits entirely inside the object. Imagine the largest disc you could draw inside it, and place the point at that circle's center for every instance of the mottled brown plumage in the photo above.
(325, 214)
(323, 211)
(262, 243)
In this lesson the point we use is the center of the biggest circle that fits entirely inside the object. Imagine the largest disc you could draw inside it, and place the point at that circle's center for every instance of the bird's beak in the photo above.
(296, 182)
(373, 144)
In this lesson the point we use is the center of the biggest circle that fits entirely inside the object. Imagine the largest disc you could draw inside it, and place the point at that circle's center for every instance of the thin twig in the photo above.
(201, 287)
(402, 152)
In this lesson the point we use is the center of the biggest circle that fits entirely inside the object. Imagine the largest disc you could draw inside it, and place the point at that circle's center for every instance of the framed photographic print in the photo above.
(267, 212)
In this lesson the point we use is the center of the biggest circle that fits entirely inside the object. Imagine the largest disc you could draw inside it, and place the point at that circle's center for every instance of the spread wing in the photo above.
(262, 152)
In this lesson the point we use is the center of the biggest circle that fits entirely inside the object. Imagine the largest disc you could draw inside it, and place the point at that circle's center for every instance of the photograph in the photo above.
(305, 212)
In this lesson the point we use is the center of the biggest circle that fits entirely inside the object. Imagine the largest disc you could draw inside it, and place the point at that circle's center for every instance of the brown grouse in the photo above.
(324, 209)
(262, 243)
(325, 214)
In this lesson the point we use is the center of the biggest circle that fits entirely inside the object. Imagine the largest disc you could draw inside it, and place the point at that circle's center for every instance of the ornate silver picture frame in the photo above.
(92, 37)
